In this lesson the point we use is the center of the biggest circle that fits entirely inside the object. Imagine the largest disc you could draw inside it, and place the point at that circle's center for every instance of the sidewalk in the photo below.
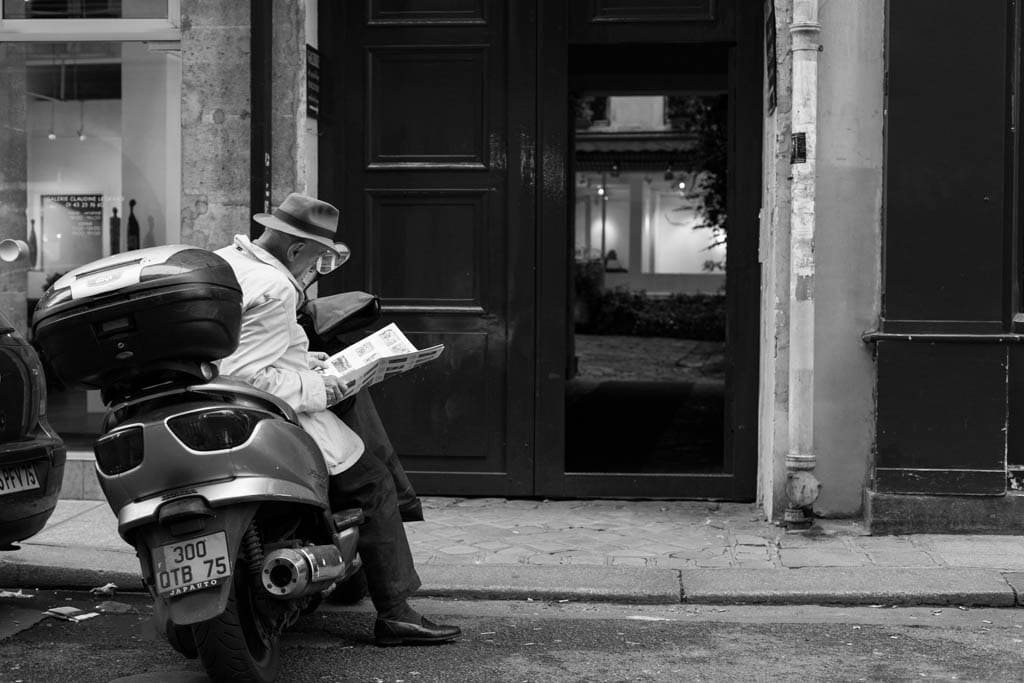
(619, 551)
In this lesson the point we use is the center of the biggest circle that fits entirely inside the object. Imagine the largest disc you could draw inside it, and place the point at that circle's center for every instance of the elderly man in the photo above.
(273, 355)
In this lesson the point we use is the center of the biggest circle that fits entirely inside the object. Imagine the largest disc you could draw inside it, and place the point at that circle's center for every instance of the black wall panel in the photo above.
(947, 134)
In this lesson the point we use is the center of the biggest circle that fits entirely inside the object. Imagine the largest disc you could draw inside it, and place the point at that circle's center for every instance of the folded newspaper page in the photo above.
(373, 359)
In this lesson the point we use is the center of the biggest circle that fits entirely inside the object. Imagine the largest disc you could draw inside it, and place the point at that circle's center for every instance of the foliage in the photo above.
(706, 117)
(683, 316)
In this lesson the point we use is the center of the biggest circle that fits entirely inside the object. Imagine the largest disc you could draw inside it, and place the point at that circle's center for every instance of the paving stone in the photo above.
(505, 559)
(1002, 561)
(826, 557)
(627, 561)
(753, 564)
(492, 546)
(900, 558)
(547, 559)
(480, 503)
(458, 550)
(584, 559)
(674, 563)
(749, 540)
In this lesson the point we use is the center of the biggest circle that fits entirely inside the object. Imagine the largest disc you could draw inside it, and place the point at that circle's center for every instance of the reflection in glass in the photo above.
(85, 9)
(92, 140)
(646, 393)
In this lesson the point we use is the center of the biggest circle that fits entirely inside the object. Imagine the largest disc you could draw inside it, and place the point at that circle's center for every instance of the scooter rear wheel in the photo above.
(233, 646)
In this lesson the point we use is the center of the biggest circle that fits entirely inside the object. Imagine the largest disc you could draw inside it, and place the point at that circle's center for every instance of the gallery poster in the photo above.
(72, 230)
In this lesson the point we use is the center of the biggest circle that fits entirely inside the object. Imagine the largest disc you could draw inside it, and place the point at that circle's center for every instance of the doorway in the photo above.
(649, 168)
(649, 265)
(447, 139)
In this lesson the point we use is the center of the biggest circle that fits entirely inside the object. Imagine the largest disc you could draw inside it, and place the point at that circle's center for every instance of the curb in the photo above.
(850, 586)
(847, 586)
(580, 583)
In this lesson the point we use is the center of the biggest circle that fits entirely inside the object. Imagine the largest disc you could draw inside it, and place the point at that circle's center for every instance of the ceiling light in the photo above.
(81, 115)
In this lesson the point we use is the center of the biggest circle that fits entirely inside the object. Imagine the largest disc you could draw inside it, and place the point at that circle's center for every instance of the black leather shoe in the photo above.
(391, 632)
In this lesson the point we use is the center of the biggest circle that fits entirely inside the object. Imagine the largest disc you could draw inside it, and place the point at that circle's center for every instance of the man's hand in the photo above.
(337, 390)
(317, 360)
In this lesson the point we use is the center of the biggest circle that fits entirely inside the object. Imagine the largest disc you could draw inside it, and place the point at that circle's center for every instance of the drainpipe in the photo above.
(802, 487)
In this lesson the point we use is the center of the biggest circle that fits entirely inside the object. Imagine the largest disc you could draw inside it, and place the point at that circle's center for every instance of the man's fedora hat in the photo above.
(305, 217)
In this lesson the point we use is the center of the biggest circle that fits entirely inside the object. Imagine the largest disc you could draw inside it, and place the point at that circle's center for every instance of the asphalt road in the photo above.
(533, 641)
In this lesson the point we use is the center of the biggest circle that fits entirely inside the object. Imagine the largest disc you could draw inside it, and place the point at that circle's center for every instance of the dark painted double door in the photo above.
(445, 138)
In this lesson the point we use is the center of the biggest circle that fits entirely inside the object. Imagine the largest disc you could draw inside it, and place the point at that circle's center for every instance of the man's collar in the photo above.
(243, 243)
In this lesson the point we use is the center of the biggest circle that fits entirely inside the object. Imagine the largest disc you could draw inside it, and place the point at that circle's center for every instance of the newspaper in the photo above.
(373, 359)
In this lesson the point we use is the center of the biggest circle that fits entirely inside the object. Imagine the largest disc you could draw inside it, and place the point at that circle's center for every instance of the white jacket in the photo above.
(273, 351)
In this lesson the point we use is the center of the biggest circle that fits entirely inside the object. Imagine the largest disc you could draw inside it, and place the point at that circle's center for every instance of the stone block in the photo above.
(199, 14)
(217, 158)
(216, 227)
(215, 72)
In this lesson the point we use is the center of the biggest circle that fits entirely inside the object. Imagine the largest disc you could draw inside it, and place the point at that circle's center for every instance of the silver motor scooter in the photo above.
(219, 490)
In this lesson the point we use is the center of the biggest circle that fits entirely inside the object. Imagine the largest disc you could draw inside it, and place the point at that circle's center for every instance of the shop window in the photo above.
(92, 137)
(85, 9)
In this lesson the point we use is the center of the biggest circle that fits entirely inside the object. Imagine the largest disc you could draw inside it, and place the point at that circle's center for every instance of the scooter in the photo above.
(219, 490)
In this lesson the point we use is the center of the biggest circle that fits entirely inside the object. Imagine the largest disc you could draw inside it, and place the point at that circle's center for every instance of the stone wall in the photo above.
(13, 177)
(847, 253)
(216, 121)
(773, 250)
(847, 248)
(289, 85)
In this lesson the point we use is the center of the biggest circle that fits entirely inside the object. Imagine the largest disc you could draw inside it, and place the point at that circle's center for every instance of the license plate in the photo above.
(20, 478)
(192, 565)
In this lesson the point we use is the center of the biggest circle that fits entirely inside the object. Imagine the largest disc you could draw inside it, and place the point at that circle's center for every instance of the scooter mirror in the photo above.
(12, 250)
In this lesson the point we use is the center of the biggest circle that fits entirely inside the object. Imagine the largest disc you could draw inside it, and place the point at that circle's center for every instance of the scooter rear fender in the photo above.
(218, 495)
(202, 603)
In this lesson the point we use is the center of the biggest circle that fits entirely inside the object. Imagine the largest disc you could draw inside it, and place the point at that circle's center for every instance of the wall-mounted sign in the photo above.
(771, 67)
(798, 154)
(312, 82)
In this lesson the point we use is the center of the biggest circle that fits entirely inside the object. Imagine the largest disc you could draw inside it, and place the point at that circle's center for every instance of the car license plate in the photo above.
(192, 565)
(20, 478)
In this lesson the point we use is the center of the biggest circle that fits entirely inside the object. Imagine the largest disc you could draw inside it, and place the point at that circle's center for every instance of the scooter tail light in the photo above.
(119, 451)
(215, 430)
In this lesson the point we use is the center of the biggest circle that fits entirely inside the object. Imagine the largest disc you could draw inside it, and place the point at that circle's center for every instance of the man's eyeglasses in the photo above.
(329, 261)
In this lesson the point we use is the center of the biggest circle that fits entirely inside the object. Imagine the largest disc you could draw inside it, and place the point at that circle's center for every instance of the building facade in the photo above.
(871, 180)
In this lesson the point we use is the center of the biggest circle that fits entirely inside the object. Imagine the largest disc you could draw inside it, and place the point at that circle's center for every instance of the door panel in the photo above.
(447, 84)
(427, 11)
(422, 229)
(439, 227)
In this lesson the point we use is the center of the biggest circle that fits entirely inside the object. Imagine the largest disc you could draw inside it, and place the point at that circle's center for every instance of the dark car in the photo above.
(32, 456)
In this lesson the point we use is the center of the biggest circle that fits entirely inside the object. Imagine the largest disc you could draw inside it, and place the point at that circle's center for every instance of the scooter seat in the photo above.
(241, 392)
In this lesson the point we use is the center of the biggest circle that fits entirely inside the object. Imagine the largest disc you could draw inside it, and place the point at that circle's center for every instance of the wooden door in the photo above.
(427, 149)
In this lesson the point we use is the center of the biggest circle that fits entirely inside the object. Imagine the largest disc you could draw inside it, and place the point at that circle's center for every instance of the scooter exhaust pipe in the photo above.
(295, 572)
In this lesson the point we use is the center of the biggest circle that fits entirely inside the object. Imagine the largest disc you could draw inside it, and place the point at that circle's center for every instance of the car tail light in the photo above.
(215, 430)
(119, 451)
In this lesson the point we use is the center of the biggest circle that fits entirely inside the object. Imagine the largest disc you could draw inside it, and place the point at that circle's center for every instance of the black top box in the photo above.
(115, 317)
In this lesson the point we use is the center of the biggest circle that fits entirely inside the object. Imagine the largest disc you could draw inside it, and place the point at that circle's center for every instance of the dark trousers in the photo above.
(383, 546)
(361, 415)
